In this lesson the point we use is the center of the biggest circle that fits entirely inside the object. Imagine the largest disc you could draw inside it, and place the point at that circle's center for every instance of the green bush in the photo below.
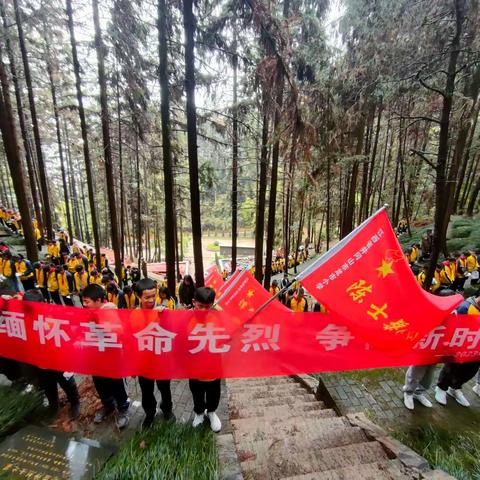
(167, 451)
(456, 244)
(463, 222)
(461, 232)
(213, 247)
(16, 408)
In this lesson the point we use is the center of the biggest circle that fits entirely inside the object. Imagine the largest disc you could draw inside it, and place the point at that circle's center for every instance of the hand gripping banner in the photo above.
(209, 344)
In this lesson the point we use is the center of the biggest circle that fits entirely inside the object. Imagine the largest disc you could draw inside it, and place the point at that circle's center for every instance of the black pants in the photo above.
(149, 402)
(456, 374)
(46, 294)
(28, 284)
(206, 395)
(112, 393)
(55, 296)
(48, 382)
(10, 368)
(67, 301)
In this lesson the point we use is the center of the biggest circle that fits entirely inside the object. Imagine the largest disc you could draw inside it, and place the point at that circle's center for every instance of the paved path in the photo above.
(379, 394)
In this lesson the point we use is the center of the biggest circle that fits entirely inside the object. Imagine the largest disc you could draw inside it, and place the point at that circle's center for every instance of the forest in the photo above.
(140, 125)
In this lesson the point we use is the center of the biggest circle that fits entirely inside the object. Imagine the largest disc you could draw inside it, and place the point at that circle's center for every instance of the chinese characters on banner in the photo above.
(203, 344)
(367, 284)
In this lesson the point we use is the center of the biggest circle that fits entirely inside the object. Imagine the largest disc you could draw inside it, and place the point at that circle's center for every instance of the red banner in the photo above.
(364, 281)
(203, 344)
(213, 279)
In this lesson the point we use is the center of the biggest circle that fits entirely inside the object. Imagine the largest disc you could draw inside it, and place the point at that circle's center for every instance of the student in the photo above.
(80, 278)
(298, 303)
(50, 379)
(95, 277)
(41, 271)
(206, 393)
(52, 284)
(24, 271)
(115, 295)
(165, 299)
(131, 300)
(186, 291)
(147, 294)
(274, 289)
(111, 391)
(64, 285)
(454, 375)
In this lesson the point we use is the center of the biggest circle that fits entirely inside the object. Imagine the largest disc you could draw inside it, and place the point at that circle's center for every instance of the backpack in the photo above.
(463, 307)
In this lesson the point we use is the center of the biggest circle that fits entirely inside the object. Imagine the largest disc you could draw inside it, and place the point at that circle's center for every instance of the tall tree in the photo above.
(83, 127)
(47, 217)
(234, 156)
(12, 151)
(170, 224)
(189, 26)
(107, 146)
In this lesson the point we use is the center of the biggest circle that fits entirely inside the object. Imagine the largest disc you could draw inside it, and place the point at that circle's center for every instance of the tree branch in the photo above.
(423, 157)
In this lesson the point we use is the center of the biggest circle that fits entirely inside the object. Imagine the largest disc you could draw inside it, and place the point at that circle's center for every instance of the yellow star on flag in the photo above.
(385, 269)
(250, 293)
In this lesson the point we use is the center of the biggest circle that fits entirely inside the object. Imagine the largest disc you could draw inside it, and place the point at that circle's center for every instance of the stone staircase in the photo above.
(282, 431)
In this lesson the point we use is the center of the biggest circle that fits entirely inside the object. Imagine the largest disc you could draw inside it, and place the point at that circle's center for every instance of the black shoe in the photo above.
(169, 416)
(75, 411)
(148, 421)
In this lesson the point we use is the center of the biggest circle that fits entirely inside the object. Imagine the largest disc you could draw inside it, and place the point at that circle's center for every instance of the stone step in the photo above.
(260, 381)
(385, 470)
(253, 387)
(259, 428)
(283, 411)
(299, 442)
(283, 463)
(243, 400)
(267, 391)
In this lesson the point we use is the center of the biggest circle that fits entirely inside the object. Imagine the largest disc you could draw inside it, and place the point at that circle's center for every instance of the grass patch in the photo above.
(213, 247)
(457, 454)
(16, 408)
(167, 451)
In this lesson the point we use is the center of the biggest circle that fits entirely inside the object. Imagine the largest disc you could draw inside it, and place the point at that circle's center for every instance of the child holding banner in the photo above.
(147, 294)
(206, 393)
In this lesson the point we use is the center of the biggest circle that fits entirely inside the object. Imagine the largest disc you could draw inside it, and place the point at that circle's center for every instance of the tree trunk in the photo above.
(189, 25)
(170, 223)
(139, 204)
(21, 118)
(442, 215)
(59, 140)
(107, 146)
(12, 151)
(369, 202)
(36, 131)
(83, 126)
(120, 169)
(234, 161)
(262, 188)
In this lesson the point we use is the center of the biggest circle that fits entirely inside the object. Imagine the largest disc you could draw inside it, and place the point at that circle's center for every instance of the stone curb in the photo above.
(227, 454)
(394, 449)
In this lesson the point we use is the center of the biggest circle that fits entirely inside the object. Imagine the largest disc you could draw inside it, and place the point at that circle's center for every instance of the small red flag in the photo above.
(213, 279)
(228, 282)
(366, 283)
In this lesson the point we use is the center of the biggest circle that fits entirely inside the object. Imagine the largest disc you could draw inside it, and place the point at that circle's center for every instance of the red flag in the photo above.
(247, 295)
(227, 283)
(213, 279)
(367, 284)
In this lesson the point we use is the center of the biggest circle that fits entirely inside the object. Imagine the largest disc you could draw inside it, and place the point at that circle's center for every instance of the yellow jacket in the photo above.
(298, 306)
(130, 300)
(472, 263)
(63, 287)
(71, 264)
(53, 250)
(40, 277)
(22, 267)
(52, 281)
(81, 280)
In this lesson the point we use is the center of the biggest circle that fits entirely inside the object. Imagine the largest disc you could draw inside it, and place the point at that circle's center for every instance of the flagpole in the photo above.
(321, 259)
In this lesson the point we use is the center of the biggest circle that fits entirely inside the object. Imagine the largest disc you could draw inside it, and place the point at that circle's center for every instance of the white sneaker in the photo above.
(198, 420)
(476, 389)
(215, 423)
(458, 396)
(440, 396)
(420, 397)
(408, 401)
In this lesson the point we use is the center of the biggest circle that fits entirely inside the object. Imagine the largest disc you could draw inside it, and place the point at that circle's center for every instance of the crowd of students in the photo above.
(450, 277)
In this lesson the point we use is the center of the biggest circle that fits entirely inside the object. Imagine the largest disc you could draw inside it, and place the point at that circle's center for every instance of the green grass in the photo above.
(17, 408)
(167, 451)
(457, 454)
(213, 247)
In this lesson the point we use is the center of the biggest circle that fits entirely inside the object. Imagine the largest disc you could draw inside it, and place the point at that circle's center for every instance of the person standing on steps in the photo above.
(111, 391)
(206, 393)
(454, 375)
(147, 295)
